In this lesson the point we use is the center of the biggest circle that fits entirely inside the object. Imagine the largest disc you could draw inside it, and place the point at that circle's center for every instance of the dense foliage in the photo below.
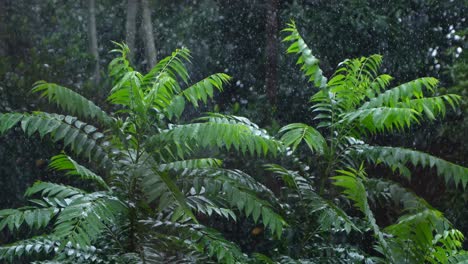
(364, 168)
(155, 175)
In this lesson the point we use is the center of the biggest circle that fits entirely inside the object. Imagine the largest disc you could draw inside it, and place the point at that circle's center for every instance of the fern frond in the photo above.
(63, 162)
(172, 65)
(352, 182)
(203, 89)
(83, 220)
(28, 247)
(47, 246)
(33, 217)
(191, 164)
(232, 186)
(409, 90)
(309, 63)
(70, 101)
(395, 156)
(431, 106)
(223, 133)
(413, 234)
(381, 118)
(461, 258)
(296, 133)
(83, 139)
(48, 189)
(388, 192)
(207, 241)
(330, 214)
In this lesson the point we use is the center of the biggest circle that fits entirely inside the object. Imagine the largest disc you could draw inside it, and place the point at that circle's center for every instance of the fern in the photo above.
(296, 133)
(223, 133)
(34, 218)
(351, 181)
(79, 136)
(206, 240)
(85, 218)
(71, 101)
(412, 89)
(309, 63)
(65, 163)
(395, 156)
(382, 118)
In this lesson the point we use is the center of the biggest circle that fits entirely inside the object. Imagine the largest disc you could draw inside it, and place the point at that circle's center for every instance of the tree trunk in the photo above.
(148, 38)
(3, 35)
(93, 45)
(130, 27)
(271, 67)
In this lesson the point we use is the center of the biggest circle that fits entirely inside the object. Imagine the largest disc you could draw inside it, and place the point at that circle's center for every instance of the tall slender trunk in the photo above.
(148, 38)
(271, 77)
(93, 45)
(3, 36)
(130, 26)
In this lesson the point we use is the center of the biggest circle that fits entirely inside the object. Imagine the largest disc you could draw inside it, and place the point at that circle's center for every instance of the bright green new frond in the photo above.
(63, 162)
(409, 90)
(34, 218)
(309, 63)
(395, 156)
(203, 89)
(172, 65)
(295, 133)
(70, 101)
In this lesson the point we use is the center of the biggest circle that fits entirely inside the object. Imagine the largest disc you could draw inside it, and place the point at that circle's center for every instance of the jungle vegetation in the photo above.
(146, 162)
